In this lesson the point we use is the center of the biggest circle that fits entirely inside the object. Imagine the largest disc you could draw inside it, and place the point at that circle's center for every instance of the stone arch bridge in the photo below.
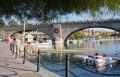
(59, 32)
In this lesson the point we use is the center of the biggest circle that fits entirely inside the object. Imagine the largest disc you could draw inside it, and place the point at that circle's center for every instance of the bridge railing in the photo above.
(98, 20)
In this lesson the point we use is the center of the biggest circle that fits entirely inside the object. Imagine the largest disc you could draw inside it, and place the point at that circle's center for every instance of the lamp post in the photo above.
(24, 32)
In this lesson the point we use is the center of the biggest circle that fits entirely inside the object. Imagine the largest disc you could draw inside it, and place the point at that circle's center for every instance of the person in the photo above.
(17, 42)
(9, 39)
(17, 45)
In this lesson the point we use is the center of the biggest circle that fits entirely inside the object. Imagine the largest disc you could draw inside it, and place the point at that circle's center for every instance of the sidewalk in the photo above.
(11, 67)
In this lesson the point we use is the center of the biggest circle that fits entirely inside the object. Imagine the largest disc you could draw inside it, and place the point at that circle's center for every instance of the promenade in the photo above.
(11, 67)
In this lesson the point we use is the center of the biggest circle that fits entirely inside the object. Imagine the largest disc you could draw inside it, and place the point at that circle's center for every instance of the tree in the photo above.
(15, 35)
(105, 35)
(13, 23)
(79, 36)
(48, 10)
(72, 37)
(2, 23)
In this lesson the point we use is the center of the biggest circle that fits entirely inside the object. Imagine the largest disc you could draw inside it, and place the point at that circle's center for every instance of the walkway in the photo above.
(11, 67)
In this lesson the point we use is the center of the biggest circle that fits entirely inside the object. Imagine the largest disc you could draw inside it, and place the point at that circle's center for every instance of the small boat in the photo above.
(99, 64)
(99, 60)
(82, 57)
(47, 44)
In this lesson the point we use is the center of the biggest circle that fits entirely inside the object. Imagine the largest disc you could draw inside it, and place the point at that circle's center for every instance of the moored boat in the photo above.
(99, 60)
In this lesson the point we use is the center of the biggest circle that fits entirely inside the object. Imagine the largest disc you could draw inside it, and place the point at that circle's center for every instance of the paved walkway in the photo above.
(11, 67)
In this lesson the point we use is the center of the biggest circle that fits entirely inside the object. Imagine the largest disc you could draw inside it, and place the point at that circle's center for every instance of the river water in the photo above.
(109, 48)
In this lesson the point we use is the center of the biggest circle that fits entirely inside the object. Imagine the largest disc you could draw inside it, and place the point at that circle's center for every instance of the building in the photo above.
(39, 35)
(95, 33)
(28, 38)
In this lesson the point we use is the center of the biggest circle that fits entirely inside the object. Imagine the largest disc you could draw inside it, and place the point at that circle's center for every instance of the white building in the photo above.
(29, 38)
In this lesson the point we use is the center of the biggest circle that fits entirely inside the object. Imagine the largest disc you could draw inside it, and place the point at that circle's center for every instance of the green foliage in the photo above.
(105, 35)
(2, 23)
(15, 35)
(48, 10)
(13, 23)
(72, 37)
(77, 35)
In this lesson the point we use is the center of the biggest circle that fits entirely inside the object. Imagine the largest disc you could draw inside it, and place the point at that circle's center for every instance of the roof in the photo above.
(19, 36)
(29, 36)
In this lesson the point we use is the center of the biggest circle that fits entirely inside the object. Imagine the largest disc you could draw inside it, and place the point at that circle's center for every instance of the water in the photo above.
(109, 48)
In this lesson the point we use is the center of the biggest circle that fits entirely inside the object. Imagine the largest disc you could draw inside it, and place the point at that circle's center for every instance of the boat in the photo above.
(47, 44)
(80, 56)
(101, 64)
(99, 59)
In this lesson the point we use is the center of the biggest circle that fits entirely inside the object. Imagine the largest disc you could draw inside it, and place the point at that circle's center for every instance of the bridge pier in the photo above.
(57, 34)
(59, 43)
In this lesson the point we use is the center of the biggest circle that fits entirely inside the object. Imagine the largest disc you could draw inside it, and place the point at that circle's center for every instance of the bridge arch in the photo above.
(66, 38)
(40, 28)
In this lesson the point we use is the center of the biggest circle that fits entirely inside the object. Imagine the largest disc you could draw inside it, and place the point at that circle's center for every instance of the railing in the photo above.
(16, 50)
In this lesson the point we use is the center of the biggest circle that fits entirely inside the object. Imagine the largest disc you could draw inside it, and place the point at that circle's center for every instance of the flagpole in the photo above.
(24, 32)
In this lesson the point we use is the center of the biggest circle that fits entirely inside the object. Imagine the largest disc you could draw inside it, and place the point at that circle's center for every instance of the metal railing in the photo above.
(15, 50)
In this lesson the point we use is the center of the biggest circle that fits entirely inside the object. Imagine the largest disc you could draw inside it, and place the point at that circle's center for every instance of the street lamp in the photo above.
(24, 32)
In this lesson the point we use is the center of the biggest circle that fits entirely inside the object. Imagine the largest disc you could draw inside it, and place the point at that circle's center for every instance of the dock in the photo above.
(11, 67)
(68, 50)
(80, 57)
(116, 57)
(51, 50)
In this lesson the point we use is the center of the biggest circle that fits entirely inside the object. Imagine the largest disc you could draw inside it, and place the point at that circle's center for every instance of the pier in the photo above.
(11, 67)
(69, 50)
(74, 50)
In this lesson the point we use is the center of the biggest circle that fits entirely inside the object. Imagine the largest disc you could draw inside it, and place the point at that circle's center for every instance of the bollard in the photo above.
(13, 50)
(94, 64)
(118, 61)
(16, 52)
(19, 50)
(11, 47)
(67, 66)
(86, 62)
(38, 61)
(24, 57)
